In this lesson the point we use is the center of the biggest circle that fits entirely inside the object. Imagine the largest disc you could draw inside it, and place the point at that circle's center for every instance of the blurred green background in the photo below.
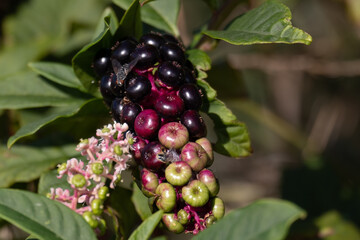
(300, 103)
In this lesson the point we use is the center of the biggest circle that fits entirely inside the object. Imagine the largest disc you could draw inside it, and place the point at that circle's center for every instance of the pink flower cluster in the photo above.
(106, 157)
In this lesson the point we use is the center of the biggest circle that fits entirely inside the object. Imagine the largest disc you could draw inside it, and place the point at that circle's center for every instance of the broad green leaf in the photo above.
(210, 92)
(161, 14)
(43, 218)
(49, 180)
(232, 136)
(120, 200)
(267, 219)
(147, 227)
(269, 23)
(52, 115)
(108, 20)
(332, 226)
(199, 59)
(25, 163)
(140, 202)
(57, 72)
(130, 24)
(27, 90)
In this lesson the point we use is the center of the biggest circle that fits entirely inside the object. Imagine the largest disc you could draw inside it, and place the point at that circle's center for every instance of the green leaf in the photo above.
(27, 90)
(57, 72)
(199, 59)
(332, 226)
(121, 201)
(108, 20)
(269, 23)
(140, 202)
(267, 219)
(161, 14)
(145, 230)
(49, 180)
(213, 4)
(42, 217)
(24, 163)
(52, 115)
(130, 24)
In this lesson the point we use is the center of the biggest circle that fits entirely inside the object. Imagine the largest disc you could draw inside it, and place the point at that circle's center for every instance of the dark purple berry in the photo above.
(189, 65)
(170, 74)
(105, 88)
(153, 156)
(172, 52)
(102, 62)
(194, 123)
(137, 147)
(169, 105)
(191, 96)
(129, 113)
(189, 76)
(147, 124)
(116, 109)
(153, 39)
(170, 38)
(123, 50)
(147, 56)
(117, 87)
(137, 87)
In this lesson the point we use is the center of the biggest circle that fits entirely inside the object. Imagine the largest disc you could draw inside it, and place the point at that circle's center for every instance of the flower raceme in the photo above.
(107, 155)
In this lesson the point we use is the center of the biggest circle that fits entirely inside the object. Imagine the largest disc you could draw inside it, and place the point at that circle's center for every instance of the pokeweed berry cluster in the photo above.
(151, 86)
(106, 157)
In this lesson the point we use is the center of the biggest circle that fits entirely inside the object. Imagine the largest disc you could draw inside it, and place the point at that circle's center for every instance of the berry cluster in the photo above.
(151, 86)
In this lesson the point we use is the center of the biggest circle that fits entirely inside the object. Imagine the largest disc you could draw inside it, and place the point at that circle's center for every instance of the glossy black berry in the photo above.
(147, 56)
(153, 39)
(170, 38)
(137, 87)
(116, 109)
(172, 52)
(189, 65)
(195, 124)
(102, 62)
(169, 105)
(191, 96)
(171, 74)
(123, 50)
(129, 113)
(105, 88)
(117, 86)
(189, 76)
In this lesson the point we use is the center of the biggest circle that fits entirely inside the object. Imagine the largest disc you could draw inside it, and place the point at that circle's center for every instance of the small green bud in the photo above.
(97, 168)
(61, 167)
(105, 130)
(210, 220)
(85, 141)
(90, 219)
(97, 206)
(118, 150)
(103, 192)
(131, 141)
(78, 181)
(118, 179)
(183, 217)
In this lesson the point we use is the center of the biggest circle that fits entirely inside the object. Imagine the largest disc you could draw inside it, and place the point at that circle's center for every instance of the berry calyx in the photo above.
(195, 194)
(173, 135)
(178, 173)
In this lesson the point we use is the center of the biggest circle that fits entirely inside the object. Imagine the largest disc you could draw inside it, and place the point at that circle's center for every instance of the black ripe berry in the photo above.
(116, 109)
(189, 76)
(129, 113)
(192, 120)
(171, 74)
(102, 63)
(123, 51)
(172, 52)
(137, 87)
(170, 38)
(191, 96)
(117, 86)
(105, 87)
(147, 56)
(169, 105)
(153, 39)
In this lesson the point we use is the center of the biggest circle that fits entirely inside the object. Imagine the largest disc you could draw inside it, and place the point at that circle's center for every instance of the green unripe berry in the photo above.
(210, 220)
(90, 219)
(103, 192)
(218, 208)
(97, 206)
(166, 197)
(78, 181)
(102, 226)
(61, 167)
(183, 217)
(97, 168)
(118, 150)
(172, 224)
